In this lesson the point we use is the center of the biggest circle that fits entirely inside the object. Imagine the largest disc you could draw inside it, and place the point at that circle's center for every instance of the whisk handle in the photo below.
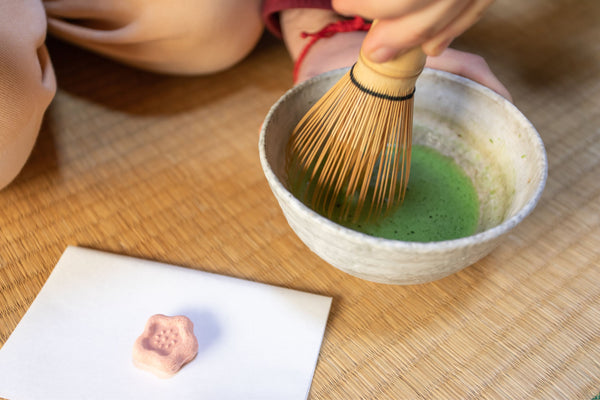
(408, 65)
(396, 77)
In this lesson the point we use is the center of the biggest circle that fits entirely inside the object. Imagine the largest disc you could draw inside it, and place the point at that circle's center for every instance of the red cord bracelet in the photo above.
(345, 25)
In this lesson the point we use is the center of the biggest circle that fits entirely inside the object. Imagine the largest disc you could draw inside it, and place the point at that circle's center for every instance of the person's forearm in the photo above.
(298, 20)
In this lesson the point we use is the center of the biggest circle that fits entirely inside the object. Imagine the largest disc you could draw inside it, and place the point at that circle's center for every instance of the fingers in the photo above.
(470, 66)
(466, 19)
(379, 9)
(389, 37)
(403, 24)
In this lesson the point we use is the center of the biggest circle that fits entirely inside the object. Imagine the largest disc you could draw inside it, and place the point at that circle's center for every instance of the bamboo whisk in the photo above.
(349, 156)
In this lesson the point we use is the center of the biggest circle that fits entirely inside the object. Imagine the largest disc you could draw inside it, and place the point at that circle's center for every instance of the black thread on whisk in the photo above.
(380, 95)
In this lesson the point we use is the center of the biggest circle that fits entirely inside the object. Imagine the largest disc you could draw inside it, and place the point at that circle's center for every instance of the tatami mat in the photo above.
(166, 168)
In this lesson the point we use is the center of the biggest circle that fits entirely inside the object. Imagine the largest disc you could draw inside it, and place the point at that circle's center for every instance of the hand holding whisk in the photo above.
(349, 156)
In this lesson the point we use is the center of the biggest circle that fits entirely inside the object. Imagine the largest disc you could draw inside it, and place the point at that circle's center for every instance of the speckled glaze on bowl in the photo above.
(485, 134)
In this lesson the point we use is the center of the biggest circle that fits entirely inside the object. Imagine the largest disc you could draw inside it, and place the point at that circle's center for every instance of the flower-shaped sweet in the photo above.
(166, 344)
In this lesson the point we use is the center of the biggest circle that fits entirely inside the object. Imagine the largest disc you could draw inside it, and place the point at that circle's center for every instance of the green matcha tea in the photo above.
(441, 203)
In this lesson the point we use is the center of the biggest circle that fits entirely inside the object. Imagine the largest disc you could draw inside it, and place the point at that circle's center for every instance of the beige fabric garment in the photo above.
(169, 36)
(27, 82)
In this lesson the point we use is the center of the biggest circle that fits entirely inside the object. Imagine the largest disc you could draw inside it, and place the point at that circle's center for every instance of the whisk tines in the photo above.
(349, 156)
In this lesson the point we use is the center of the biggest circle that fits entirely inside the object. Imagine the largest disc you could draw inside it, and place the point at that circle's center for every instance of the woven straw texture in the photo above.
(166, 168)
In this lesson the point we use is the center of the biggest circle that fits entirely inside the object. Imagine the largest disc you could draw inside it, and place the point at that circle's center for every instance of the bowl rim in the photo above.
(392, 244)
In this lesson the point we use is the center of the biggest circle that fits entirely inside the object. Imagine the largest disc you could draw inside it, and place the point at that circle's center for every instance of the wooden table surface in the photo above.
(166, 168)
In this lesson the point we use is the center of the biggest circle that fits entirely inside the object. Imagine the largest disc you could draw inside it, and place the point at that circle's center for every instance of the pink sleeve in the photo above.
(271, 9)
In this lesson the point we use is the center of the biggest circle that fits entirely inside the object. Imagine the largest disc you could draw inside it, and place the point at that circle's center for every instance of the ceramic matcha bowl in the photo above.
(495, 145)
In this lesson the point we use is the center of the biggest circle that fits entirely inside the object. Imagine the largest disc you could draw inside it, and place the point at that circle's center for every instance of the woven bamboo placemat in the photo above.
(166, 168)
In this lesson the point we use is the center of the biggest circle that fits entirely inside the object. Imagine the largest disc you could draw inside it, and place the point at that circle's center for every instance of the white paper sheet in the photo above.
(256, 341)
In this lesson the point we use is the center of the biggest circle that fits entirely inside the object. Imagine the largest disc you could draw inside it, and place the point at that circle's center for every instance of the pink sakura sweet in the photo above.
(166, 345)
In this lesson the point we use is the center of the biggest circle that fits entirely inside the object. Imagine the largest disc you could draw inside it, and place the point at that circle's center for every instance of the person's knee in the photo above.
(165, 36)
(230, 34)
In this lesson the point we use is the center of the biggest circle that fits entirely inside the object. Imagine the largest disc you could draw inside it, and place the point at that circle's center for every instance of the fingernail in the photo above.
(381, 54)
